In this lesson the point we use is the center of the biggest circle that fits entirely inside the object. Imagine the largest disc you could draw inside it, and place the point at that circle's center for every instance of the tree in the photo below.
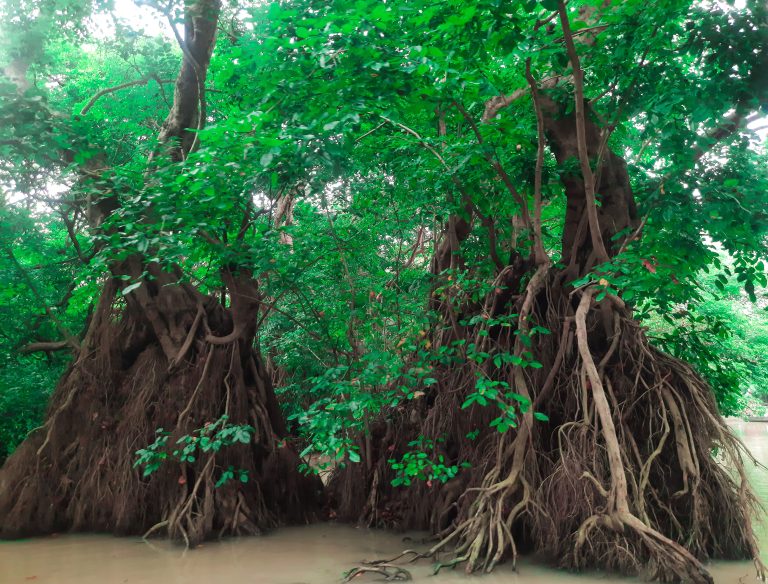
(158, 353)
(622, 460)
(446, 225)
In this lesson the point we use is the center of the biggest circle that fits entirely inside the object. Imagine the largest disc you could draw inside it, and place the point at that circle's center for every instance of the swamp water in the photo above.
(315, 554)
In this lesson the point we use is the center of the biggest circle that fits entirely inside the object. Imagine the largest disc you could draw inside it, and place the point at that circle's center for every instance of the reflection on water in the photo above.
(305, 555)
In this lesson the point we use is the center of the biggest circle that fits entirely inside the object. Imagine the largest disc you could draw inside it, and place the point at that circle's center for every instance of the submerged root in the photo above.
(411, 555)
(390, 572)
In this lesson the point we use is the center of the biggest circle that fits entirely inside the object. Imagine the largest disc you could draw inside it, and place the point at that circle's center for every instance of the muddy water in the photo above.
(306, 555)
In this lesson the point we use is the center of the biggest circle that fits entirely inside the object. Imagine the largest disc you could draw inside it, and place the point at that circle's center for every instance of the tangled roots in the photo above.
(77, 471)
(634, 471)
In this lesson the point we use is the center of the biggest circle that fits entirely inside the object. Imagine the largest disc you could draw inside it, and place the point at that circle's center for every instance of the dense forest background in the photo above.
(254, 236)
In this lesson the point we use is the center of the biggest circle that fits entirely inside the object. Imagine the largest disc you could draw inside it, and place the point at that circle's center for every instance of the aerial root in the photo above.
(390, 572)
(622, 478)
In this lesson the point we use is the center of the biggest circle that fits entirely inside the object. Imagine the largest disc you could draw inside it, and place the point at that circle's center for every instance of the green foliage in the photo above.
(39, 297)
(724, 335)
(26, 386)
(210, 439)
(423, 463)
(340, 105)
(708, 318)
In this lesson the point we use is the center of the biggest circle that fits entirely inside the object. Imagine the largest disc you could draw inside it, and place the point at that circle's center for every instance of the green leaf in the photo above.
(128, 289)
(266, 159)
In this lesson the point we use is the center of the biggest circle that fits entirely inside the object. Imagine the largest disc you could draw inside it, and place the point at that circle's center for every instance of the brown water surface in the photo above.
(316, 554)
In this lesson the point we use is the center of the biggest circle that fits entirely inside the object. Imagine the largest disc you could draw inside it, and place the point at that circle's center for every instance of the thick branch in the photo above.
(581, 136)
(540, 254)
(732, 124)
(187, 115)
(497, 103)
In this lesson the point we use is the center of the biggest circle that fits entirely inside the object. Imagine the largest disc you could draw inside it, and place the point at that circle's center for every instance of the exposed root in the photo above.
(154, 528)
(77, 473)
(390, 572)
(414, 555)
(622, 477)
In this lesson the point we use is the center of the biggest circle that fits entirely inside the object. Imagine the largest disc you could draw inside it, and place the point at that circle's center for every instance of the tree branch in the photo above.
(494, 105)
(46, 346)
(189, 106)
(581, 136)
(540, 254)
(729, 126)
(115, 88)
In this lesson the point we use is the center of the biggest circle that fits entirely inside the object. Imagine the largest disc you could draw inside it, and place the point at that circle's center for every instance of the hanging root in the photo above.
(622, 477)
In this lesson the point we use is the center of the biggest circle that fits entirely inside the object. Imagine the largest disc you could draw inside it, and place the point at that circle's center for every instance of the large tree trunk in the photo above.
(622, 475)
(162, 356)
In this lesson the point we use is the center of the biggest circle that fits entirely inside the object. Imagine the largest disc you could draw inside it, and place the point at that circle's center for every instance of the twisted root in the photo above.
(621, 478)
(390, 572)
